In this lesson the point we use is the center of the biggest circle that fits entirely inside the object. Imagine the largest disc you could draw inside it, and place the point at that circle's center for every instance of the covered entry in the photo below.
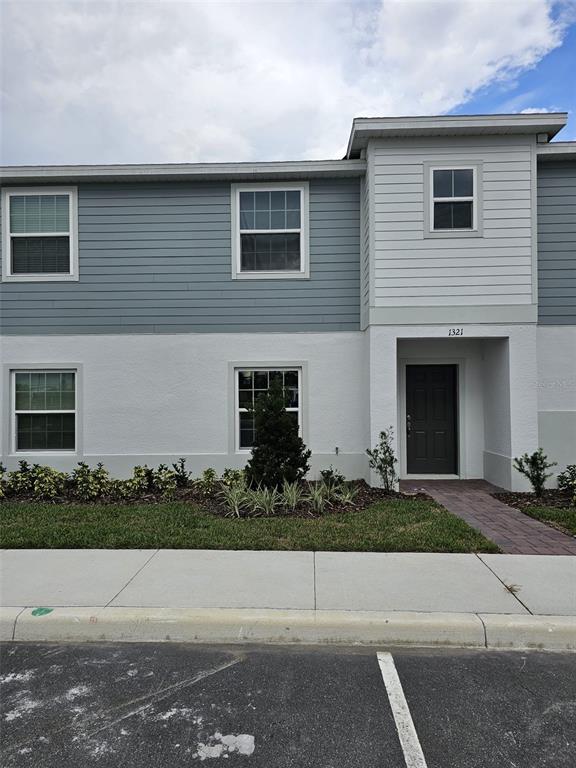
(472, 399)
(431, 419)
(466, 407)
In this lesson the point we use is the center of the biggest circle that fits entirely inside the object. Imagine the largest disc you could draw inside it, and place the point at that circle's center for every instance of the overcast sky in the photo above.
(138, 81)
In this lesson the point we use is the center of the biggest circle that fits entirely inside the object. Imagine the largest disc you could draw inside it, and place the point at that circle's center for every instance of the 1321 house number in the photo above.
(455, 331)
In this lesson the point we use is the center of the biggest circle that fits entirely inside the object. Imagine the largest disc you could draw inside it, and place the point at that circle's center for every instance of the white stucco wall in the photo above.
(153, 398)
(497, 445)
(557, 393)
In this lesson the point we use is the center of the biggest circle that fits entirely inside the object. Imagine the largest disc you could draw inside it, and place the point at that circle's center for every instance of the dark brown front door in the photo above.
(431, 419)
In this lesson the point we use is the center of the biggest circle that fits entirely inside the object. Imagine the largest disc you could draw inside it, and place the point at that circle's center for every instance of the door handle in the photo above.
(408, 425)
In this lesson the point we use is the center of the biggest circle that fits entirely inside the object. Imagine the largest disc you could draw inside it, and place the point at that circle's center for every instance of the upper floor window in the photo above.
(453, 199)
(270, 230)
(40, 234)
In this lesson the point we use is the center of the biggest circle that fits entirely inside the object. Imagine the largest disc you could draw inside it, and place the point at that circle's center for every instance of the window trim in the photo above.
(235, 367)
(304, 271)
(8, 434)
(429, 199)
(7, 275)
(42, 451)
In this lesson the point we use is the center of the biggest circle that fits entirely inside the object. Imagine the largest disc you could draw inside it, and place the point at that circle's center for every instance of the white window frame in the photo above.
(72, 234)
(14, 436)
(468, 199)
(238, 410)
(476, 166)
(304, 271)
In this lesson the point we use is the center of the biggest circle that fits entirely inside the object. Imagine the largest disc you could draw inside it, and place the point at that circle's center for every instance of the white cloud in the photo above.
(182, 81)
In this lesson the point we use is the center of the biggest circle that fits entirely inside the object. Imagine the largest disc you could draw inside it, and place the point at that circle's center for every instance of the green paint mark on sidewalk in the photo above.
(41, 611)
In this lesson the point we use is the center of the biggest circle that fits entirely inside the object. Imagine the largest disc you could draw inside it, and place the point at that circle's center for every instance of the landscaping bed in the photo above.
(553, 507)
(392, 524)
(169, 508)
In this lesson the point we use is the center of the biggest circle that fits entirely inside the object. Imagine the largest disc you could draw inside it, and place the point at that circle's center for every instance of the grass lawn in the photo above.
(559, 517)
(387, 526)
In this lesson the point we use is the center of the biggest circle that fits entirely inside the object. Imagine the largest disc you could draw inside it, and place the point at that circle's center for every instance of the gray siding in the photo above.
(364, 252)
(156, 258)
(557, 243)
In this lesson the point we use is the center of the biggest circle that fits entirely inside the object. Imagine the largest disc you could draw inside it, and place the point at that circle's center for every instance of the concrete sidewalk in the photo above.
(286, 596)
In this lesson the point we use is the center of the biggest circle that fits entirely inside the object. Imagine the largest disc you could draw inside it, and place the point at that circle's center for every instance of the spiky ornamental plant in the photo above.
(278, 455)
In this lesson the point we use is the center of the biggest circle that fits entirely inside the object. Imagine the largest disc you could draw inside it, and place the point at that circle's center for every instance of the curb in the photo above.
(551, 633)
(8, 617)
(467, 630)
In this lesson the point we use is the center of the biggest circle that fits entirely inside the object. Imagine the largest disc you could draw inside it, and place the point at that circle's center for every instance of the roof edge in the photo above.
(557, 150)
(182, 171)
(364, 128)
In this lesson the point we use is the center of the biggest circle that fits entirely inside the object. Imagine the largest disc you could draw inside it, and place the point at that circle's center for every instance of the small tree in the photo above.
(534, 467)
(382, 459)
(278, 455)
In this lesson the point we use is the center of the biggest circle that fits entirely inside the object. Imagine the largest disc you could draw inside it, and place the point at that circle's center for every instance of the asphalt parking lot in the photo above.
(169, 705)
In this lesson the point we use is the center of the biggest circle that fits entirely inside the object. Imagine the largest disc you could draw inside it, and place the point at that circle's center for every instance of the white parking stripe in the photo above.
(413, 755)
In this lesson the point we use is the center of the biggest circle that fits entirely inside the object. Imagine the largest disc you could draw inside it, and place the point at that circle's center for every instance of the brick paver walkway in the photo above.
(514, 532)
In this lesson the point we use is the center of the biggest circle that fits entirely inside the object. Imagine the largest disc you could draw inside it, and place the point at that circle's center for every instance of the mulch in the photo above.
(212, 504)
(550, 498)
(365, 497)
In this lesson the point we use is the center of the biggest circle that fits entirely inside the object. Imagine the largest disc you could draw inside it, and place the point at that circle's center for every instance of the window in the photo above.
(39, 228)
(44, 410)
(250, 384)
(269, 232)
(453, 205)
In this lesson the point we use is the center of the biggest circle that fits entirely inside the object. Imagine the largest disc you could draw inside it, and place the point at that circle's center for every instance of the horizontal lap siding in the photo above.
(557, 243)
(365, 250)
(156, 258)
(414, 270)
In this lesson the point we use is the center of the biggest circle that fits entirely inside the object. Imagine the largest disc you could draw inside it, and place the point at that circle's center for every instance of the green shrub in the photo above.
(20, 482)
(534, 467)
(234, 498)
(279, 454)
(87, 484)
(332, 478)
(567, 481)
(40, 482)
(2, 481)
(146, 481)
(207, 484)
(164, 481)
(134, 487)
(181, 474)
(141, 480)
(233, 477)
(48, 483)
(383, 460)
(120, 490)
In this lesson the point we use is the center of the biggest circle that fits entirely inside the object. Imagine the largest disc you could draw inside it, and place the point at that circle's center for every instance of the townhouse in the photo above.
(426, 281)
